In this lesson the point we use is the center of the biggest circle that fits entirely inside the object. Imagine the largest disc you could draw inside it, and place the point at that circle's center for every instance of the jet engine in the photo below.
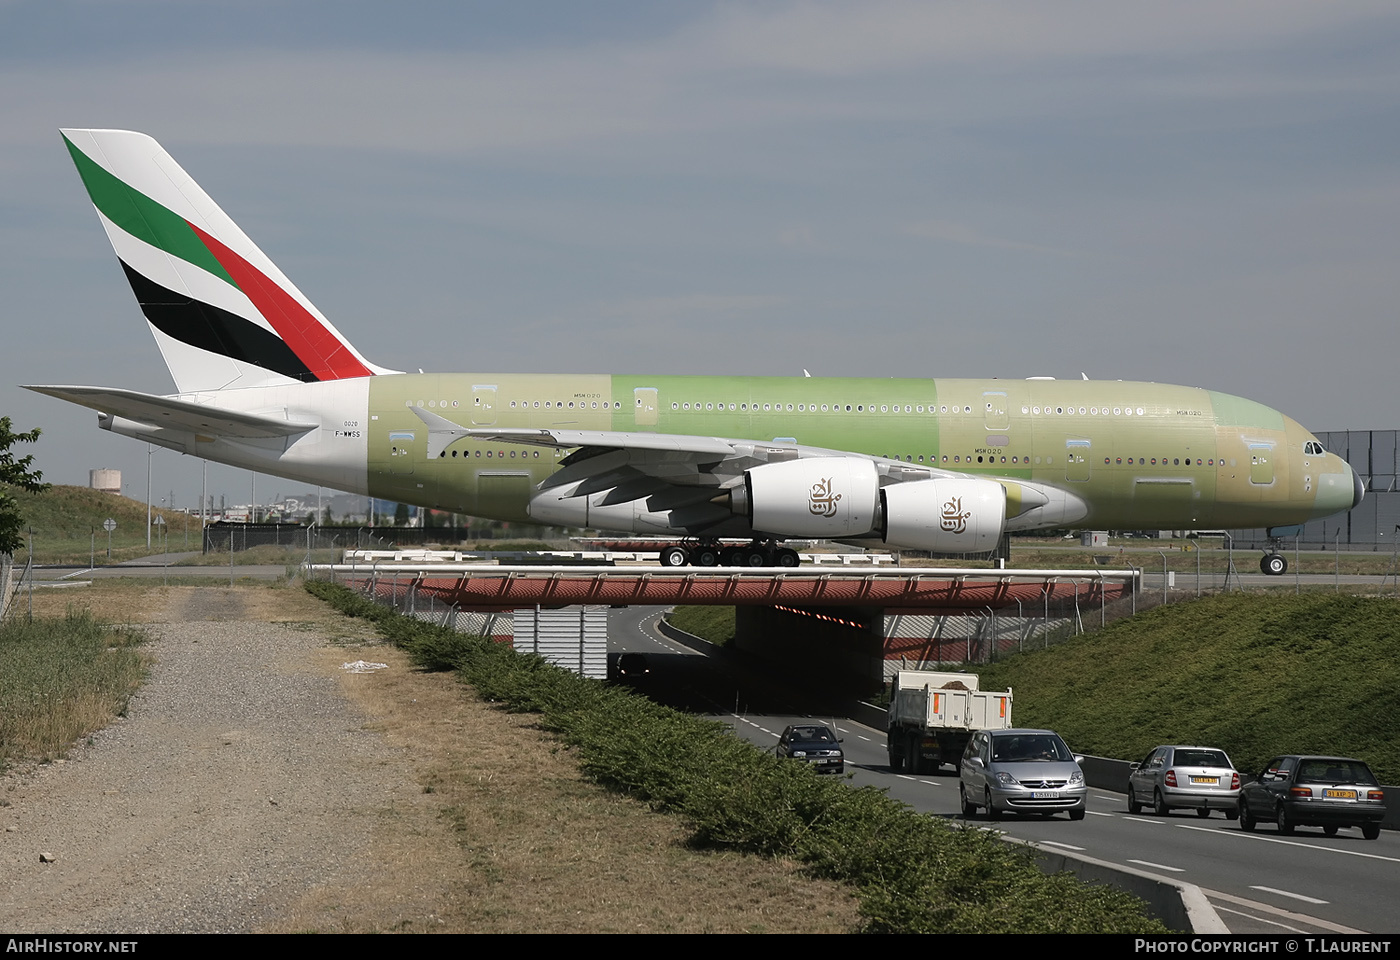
(944, 515)
(819, 497)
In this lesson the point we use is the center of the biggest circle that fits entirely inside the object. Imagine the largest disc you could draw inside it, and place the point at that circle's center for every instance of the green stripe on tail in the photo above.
(143, 217)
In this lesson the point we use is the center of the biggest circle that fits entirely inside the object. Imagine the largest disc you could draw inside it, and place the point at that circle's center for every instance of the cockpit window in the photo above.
(1313, 449)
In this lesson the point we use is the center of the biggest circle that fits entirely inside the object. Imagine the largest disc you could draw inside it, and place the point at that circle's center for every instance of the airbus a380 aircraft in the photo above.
(265, 382)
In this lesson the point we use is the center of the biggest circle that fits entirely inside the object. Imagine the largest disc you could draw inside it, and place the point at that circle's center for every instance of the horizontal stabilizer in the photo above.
(198, 418)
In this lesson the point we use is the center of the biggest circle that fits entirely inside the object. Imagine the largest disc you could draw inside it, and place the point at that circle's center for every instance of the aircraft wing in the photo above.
(661, 455)
(696, 484)
(168, 412)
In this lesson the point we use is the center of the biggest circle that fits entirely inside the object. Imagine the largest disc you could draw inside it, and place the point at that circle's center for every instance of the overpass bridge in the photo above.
(508, 587)
(865, 622)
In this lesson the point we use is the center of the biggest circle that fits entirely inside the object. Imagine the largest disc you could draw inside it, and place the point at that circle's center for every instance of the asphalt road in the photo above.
(1259, 882)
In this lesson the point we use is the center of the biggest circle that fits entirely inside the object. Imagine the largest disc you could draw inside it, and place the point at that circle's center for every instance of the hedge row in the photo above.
(913, 873)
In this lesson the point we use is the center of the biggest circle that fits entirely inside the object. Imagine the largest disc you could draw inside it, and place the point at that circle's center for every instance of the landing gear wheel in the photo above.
(788, 558)
(1159, 805)
(1247, 821)
(1274, 565)
(756, 557)
(1285, 826)
(675, 557)
(969, 809)
(705, 557)
(731, 557)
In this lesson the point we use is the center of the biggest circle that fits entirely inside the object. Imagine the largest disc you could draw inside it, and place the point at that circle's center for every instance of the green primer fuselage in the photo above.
(1140, 455)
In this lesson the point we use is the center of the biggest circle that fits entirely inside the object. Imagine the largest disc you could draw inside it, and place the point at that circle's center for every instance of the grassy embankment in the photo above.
(67, 522)
(1255, 674)
(60, 680)
(715, 624)
(1182, 556)
(913, 873)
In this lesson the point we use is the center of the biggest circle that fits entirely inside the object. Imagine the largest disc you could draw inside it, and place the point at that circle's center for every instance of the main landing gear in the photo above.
(1273, 563)
(709, 554)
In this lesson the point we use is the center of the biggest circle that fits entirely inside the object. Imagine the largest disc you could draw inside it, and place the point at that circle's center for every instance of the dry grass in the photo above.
(62, 679)
(114, 601)
(511, 839)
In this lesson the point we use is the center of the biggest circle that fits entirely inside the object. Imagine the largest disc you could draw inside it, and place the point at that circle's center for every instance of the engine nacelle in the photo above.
(820, 497)
(944, 515)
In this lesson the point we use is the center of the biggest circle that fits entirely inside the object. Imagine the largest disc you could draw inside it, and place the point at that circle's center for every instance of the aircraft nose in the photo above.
(1358, 489)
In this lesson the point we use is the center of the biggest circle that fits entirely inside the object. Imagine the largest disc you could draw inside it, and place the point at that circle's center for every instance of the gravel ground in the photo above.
(265, 784)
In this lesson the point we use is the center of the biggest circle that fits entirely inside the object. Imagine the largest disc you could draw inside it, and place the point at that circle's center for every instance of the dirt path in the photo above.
(255, 785)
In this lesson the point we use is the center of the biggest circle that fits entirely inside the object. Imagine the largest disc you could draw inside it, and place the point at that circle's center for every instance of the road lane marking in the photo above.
(931, 783)
(1158, 866)
(1285, 893)
(1288, 843)
(1055, 843)
(1144, 820)
(1258, 919)
(1096, 813)
(1260, 906)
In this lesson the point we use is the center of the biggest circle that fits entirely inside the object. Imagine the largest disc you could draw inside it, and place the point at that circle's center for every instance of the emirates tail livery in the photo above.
(264, 381)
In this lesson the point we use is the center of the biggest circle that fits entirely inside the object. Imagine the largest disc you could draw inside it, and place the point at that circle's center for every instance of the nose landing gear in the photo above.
(1273, 564)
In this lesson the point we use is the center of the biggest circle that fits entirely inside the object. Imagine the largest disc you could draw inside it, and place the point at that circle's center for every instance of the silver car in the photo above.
(1197, 778)
(1020, 771)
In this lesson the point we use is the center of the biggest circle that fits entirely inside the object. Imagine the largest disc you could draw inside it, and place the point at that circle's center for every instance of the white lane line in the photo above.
(859, 737)
(1096, 813)
(1285, 893)
(931, 783)
(1144, 820)
(1053, 843)
(1158, 866)
(1288, 843)
(1259, 919)
(1259, 906)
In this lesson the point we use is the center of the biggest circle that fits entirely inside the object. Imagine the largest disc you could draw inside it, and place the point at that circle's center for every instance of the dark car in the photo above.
(1326, 792)
(815, 744)
(629, 668)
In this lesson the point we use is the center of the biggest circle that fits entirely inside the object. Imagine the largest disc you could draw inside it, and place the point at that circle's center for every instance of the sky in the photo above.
(1204, 193)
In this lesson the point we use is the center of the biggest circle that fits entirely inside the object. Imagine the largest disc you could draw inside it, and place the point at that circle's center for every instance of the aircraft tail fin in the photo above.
(222, 313)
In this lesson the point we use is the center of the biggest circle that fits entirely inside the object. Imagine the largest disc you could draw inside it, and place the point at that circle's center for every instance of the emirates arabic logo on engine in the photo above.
(821, 501)
(953, 518)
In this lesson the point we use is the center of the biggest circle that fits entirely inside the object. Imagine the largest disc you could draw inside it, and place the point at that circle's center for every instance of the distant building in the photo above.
(105, 479)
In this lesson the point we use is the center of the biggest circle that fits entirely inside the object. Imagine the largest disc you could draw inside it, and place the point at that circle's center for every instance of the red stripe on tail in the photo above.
(323, 353)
